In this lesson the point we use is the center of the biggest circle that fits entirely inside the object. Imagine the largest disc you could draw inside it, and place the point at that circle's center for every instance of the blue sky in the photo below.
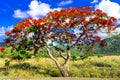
(12, 11)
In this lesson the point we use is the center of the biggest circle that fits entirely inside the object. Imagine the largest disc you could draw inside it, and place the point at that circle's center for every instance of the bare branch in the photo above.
(78, 39)
(62, 56)
(68, 58)
(51, 56)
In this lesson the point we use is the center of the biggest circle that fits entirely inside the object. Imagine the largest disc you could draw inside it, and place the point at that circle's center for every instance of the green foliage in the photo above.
(85, 56)
(112, 48)
(21, 54)
(16, 26)
(33, 28)
(26, 42)
(42, 53)
(60, 48)
(30, 42)
(1, 55)
(74, 57)
(7, 62)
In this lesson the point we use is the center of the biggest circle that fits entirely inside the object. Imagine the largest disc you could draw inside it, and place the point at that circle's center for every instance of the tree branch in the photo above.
(78, 39)
(51, 56)
(62, 56)
(68, 57)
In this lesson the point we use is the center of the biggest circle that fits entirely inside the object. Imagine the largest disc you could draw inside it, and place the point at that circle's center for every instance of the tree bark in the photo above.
(64, 69)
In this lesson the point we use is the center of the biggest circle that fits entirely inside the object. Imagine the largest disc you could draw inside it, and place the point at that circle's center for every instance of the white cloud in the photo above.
(20, 14)
(63, 3)
(111, 8)
(36, 9)
(105, 35)
(4, 29)
(102, 35)
(94, 1)
(118, 30)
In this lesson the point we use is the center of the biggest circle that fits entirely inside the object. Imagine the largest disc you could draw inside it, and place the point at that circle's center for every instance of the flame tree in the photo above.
(73, 27)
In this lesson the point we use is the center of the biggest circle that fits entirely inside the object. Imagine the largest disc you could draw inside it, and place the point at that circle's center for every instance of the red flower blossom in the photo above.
(103, 43)
(113, 19)
(91, 36)
(2, 49)
(7, 33)
(20, 25)
(98, 38)
(14, 30)
(27, 22)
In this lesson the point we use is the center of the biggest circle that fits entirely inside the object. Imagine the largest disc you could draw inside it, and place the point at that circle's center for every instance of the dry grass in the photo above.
(103, 67)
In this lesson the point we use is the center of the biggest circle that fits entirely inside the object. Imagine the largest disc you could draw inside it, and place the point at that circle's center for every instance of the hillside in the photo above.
(113, 46)
(2, 43)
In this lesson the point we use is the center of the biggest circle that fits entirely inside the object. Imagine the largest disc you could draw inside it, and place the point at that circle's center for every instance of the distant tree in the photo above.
(62, 30)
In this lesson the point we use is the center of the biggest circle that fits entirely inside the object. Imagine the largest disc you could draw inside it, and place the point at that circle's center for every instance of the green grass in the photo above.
(103, 67)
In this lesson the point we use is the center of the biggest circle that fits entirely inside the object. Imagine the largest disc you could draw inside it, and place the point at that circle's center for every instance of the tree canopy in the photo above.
(73, 26)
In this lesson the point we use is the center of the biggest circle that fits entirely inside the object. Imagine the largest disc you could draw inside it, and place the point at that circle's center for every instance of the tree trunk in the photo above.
(64, 69)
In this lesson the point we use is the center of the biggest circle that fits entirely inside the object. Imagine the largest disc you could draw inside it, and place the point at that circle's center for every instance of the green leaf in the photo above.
(16, 27)
(59, 48)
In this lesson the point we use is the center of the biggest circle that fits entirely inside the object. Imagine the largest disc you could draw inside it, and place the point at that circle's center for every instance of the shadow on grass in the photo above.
(4, 70)
(24, 66)
(31, 69)
(102, 65)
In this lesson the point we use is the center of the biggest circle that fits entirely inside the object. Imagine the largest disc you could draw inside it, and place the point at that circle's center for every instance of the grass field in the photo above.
(93, 67)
